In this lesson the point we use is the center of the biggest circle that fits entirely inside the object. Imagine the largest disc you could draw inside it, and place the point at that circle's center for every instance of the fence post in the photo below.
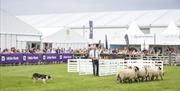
(170, 59)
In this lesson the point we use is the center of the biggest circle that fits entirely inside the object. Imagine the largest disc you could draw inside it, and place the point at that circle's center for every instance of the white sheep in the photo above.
(154, 72)
(142, 74)
(127, 75)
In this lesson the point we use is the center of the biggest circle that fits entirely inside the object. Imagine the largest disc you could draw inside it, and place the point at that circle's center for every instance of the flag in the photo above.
(127, 40)
(99, 44)
(106, 42)
(91, 29)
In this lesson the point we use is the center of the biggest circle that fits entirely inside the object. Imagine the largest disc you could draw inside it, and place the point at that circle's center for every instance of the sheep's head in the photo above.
(159, 68)
(136, 69)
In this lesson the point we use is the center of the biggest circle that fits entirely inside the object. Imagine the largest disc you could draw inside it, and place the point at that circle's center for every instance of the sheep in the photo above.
(154, 72)
(127, 75)
(142, 74)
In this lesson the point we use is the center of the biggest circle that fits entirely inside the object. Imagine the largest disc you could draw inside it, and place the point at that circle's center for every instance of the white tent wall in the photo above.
(7, 41)
(156, 30)
(167, 39)
(99, 34)
(28, 38)
(70, 45)
(116, 36)
(17, 41)
(21, 45)
(141, 39)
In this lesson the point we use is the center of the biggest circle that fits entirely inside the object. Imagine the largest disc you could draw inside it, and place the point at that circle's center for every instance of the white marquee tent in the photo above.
(114, 24)
(16, 33)
(170, 36)
(66, 38)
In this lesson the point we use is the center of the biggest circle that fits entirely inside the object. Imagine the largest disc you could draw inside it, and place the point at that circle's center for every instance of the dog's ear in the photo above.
(49, 76)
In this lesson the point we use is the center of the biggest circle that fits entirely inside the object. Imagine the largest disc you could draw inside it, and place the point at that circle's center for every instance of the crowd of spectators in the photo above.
(105, 53)
(127, 51)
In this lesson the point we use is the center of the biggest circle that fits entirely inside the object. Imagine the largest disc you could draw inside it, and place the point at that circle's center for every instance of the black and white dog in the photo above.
(43, 77)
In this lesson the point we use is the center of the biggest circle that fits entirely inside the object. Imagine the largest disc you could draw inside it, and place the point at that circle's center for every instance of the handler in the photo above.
(94, 54)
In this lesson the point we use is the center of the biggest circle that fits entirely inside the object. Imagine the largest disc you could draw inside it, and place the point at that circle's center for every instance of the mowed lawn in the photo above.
(18, 78)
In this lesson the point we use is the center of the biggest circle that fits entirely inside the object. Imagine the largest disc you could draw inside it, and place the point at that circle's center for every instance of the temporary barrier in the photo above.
(73, 65)
(159, 63)
(109, 66)
(85, 66)
(144, 63)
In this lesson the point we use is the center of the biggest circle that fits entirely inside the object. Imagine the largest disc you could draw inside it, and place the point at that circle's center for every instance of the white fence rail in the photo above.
(108, 66)
(73, 65)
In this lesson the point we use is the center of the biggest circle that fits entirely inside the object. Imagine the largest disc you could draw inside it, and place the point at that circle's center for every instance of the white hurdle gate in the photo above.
(85, 67)
(73, 65)
(108, 66)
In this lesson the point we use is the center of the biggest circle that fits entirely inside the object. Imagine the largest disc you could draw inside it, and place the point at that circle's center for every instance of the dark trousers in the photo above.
(95, 67)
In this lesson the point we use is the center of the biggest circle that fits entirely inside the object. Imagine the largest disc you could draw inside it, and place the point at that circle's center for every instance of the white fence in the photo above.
(73, 65)
(108, 66)
(85, 66)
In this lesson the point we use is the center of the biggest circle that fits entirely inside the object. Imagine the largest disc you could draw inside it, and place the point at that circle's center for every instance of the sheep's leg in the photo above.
(152, 77)
(142, 79)
(161, 77)
(156, 77)
(146, 78)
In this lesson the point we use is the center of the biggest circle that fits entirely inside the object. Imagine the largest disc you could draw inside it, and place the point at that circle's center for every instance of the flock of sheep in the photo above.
(137, 75)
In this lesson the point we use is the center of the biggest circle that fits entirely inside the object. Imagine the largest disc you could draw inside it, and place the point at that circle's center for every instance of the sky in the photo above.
(26, 7)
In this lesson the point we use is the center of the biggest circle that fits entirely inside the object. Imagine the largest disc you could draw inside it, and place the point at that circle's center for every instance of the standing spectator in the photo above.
(58, 51)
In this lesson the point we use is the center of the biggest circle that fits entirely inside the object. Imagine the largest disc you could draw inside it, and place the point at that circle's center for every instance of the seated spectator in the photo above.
(6, 51)
(53, 50)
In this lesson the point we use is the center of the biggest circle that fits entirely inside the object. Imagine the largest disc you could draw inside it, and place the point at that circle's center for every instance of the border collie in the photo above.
(43, 77)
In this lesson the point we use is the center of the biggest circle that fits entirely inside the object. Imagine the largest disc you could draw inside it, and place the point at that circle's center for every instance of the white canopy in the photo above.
(133, 29)
(65, 36)
(172, 29)
(170, 36)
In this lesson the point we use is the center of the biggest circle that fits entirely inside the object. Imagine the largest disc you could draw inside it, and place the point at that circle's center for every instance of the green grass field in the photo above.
(18, 78)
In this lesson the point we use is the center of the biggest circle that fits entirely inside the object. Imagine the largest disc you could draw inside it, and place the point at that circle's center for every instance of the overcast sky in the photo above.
(22, 7)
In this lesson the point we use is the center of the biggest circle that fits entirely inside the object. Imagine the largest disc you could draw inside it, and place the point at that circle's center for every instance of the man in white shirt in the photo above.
(94, 54)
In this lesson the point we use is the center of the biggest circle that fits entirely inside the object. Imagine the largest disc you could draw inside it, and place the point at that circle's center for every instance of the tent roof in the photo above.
(133, 29)
(65, 36)
(9, 24)
(105, 19)
(172, 29)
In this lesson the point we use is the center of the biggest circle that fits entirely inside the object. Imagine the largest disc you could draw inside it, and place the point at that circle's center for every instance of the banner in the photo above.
(90, 29)
(34, 58)
(31, 58)
(50, 58)
(11, 58)
(67, 56)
